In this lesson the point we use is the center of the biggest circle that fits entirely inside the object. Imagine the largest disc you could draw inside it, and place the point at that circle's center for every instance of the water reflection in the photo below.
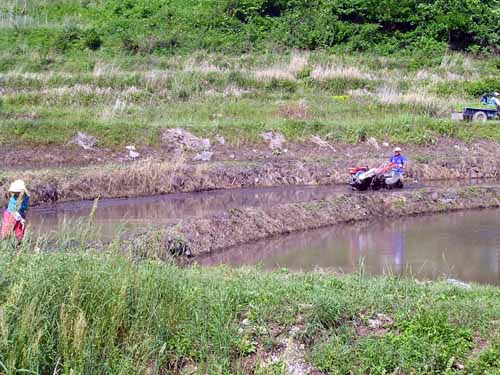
(159, 210)
(464, 245)
(113, 214)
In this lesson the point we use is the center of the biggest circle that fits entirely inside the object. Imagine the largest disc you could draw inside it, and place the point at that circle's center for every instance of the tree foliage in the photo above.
(384, 26)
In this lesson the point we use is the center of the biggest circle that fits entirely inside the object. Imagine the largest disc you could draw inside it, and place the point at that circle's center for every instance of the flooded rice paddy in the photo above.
(463, 245)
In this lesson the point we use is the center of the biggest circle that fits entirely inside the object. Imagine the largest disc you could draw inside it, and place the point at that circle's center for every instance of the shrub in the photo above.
(423, 28)
(281, 85)
(449, 88)
(340, 85)
(477, 88)
(68, 38)
(92, 40)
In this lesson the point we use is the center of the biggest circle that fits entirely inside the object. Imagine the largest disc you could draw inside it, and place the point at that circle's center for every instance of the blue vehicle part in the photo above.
(471, 113)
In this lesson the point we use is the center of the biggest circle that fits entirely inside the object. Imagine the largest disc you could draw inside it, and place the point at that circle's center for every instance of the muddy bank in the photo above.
(25, 157)
(239, 226)
(152, 177)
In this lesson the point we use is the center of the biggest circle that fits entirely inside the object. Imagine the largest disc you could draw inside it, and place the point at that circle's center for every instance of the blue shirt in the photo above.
(23, 206)
(398, 162)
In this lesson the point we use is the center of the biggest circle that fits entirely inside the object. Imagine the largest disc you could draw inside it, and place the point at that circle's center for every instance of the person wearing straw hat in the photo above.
(14, 216)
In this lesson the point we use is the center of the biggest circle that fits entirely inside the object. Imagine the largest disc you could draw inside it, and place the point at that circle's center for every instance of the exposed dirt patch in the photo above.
(180, 174)
(286, 354)
(479, 345)
(378, 325)
(298, 111)
(47, 156)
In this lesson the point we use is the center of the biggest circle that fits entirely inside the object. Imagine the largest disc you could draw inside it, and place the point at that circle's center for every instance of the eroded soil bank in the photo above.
(181, 174)
(239, 226)
(22, 157)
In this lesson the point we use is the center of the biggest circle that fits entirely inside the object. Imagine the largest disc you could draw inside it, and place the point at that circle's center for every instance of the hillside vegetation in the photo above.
(145, 26)
(344, 99)
(124, 70)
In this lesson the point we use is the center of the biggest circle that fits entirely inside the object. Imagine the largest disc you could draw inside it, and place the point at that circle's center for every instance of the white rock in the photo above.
(84, 140)
(373, 142)
(321, 143)
(130, 148)
(133, 154)
(182, 138)
(276, 140)
(204, 156)
(374, 323)
(458, 284)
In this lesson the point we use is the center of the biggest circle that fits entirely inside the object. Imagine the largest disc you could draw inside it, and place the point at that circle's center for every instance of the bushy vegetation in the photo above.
(78, 312)
(146, 26)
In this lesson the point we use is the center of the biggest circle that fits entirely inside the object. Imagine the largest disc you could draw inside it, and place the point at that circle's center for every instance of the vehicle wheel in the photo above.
(479, 116)
(399, 184)
(362, 186)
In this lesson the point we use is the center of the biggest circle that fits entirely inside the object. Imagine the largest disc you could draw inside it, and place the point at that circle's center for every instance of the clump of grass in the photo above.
(326, 73)
(299, 111)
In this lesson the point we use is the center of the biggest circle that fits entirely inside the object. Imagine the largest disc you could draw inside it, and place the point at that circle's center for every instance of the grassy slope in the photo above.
(107, 315)
(53, 86)
(343, 98)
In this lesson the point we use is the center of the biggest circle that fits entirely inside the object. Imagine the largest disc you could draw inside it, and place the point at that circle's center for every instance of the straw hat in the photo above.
(18, 186)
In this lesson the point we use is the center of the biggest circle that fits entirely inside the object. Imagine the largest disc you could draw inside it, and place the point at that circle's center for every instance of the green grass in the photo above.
(342, 98)
(80, 312)
(123, 70)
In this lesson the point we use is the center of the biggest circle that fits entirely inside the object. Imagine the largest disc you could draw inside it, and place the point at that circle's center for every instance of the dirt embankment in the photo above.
(240, 226)
(151, 177)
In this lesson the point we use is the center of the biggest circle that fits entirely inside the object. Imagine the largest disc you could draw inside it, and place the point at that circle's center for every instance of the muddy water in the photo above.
(464, 245)
(112, 215)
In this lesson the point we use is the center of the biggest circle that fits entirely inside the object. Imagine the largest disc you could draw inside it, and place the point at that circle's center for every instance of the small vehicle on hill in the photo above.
(480, 114)
(378, 178)
(490, 111)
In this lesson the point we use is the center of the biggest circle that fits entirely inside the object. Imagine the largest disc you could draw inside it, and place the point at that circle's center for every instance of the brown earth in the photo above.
(57, 156)
(302, 164)
(239, 226)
